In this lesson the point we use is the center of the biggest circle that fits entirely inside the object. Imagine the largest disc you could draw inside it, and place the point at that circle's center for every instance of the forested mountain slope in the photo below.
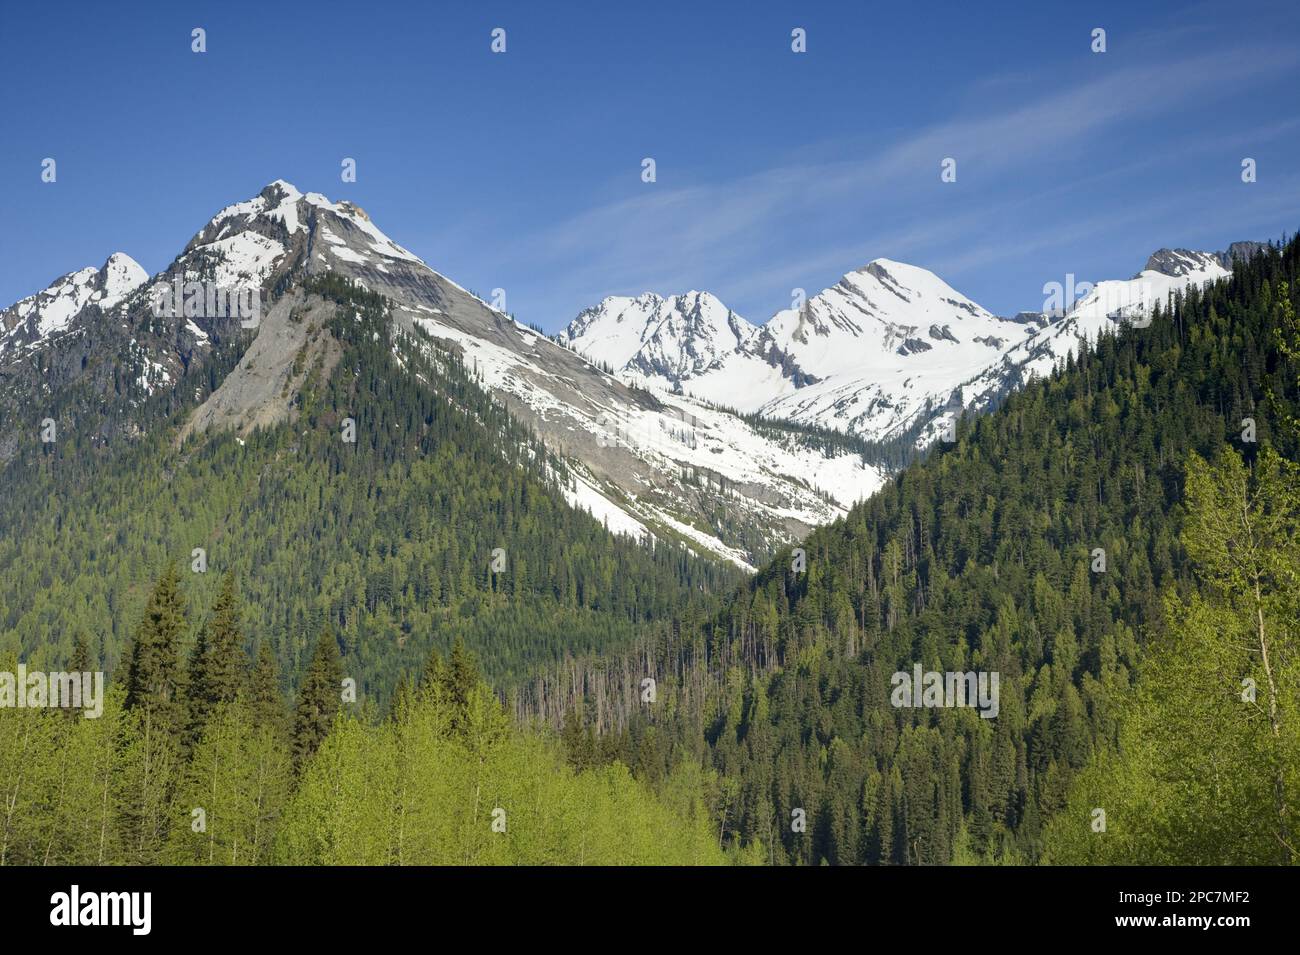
(390, 541)
(1041, 545)
(206, 572)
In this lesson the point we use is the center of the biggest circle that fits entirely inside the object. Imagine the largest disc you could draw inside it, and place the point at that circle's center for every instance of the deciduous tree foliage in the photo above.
(449, 782)
(446, 778)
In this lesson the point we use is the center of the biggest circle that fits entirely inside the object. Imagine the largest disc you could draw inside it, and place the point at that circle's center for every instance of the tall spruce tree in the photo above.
(318, 698)
(217, 664)
(433, 678)
(80, 663)
(82, 658)
(155, 677)
(265, 700)
(461, 675)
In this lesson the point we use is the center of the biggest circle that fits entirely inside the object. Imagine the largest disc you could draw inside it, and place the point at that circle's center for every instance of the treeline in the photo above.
(200, 762)
(1045, 545)
(442, 518)
(891, 454)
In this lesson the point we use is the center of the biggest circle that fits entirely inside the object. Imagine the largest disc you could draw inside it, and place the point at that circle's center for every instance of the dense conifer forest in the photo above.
(391, 541)
(1082, 542)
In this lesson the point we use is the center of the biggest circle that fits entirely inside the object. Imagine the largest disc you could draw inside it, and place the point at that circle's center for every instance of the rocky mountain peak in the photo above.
(1240, 252)
(1179, 262)
(59, 307)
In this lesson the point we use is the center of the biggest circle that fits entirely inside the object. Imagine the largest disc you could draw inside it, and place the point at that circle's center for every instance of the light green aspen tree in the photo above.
(26, 762)
(1208, 762)
(144, 784)
(80, 803)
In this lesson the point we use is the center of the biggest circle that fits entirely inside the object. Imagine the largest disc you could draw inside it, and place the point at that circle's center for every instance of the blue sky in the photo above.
(775, 170)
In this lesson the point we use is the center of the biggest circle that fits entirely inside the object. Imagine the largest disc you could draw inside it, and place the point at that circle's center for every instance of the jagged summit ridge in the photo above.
(56, 308)
(890, 349)
(861, 356)
(679, 337)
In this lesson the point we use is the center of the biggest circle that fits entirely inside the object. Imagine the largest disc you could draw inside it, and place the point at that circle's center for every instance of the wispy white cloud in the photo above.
(885, 200)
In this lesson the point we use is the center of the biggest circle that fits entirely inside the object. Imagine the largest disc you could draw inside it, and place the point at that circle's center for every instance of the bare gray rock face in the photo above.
(1177, 262)
(1240, 252)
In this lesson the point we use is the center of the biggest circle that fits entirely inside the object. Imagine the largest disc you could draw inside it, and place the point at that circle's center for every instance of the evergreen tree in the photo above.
(461, 675)
(81, 662)
(319, 696)
(217, 663)
(403, 697)
(266, 702)
(433, 676)
(1208, 767)
(82, 659)
(155, 678)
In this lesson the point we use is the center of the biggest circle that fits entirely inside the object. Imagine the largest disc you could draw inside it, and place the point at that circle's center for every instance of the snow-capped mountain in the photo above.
(1103, 307)
(891, 350)
(672, 339)
(866, 356)
(1166, 272)
(647, 462)
(887, 342)
(50, 311)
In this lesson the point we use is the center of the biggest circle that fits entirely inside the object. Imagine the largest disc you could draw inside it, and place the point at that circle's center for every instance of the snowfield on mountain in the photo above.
(890, 350)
